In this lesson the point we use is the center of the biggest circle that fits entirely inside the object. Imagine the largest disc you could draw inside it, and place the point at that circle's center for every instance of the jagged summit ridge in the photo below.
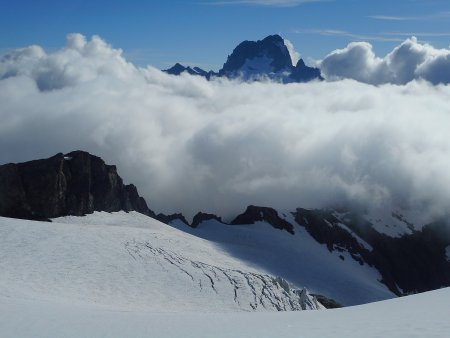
(178, 69)
(268, 58)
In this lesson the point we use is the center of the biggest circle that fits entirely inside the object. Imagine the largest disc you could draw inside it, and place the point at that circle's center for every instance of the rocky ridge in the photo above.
(76, 183)
(411, 263)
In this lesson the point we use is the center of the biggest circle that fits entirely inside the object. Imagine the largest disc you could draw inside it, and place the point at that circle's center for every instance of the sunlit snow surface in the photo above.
(128, 262)
(126, 275)
(423, 315)
(131, 261)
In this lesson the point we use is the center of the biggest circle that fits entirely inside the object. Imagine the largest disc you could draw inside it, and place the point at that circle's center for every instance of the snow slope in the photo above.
(298, 258)
(397, 222)
(422, 315)
(132, 262)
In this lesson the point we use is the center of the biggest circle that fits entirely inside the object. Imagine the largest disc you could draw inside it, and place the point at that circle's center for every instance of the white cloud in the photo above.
(392, 18)
(386, 37)
(295, 56)
(426, 17)
(190, 144)
(80, 61)
(409, 61)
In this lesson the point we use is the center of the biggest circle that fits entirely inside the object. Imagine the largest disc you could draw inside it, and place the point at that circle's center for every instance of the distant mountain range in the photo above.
(347, 255)
(257, 60)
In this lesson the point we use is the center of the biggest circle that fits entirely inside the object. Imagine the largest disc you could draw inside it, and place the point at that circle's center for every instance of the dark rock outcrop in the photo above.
(324, 228)
(303, 73)
(327, 302)
(203, 217)
(77, 183)
(254, 214)
(178, 69)
(411, 263)
(415, 262)
(271, 47)
(167, 219)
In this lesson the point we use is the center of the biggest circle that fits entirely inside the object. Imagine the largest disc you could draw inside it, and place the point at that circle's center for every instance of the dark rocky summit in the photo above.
(178, 69)
(203, 217)
(77, 183)
(268, 58)
(303, 73)
(167, 219)
(254, 214)
(271, 47)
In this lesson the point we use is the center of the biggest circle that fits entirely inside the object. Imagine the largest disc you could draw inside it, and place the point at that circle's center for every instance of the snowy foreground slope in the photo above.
(127, 275)
(130, 261)
(421, 315)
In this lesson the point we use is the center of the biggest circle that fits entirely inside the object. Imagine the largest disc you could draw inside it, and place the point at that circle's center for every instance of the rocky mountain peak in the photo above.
(269, 55)
(168, 219)
(255, 60)
(178, 69)
(203, 217)
(255, 214)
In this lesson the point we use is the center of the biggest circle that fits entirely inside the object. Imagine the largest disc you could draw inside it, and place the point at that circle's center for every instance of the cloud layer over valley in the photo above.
(190, 145)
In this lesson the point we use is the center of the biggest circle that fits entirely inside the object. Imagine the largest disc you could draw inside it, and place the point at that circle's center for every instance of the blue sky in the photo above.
(202, 32)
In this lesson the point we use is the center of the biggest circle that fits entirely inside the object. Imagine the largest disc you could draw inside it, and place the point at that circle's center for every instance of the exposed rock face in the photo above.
(327, 302)
(411, 263)
(167, 219)
(272, 48)
(74, 184)
(323, 227)
(178, 69)
(408, 264)
(268, 58)
(255, 60)
(303, 73)
(254, 214)
(202, 217)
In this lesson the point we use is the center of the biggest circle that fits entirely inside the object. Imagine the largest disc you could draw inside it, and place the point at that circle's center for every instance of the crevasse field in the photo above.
(127, 275)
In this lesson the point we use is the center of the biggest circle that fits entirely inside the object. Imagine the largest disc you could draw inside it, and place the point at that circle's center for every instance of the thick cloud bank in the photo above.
(409, 61)
(217, 146)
